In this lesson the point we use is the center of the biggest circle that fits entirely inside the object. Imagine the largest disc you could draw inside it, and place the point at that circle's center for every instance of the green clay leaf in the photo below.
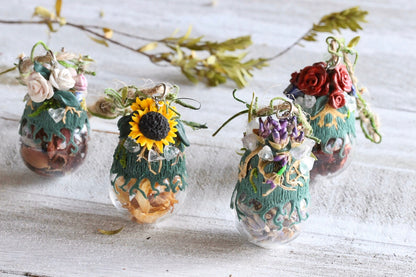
(195, 125)
(38, 67)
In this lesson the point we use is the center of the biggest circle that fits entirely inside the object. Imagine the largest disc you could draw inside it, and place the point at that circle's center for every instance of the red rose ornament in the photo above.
(341, 78)
(312, 80)
(336, 99)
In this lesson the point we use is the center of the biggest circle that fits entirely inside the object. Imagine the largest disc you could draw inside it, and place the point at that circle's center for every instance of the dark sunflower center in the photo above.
(154, 125)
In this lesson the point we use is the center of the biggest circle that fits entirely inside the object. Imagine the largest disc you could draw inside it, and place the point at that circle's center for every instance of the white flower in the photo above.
(39, 88)
(62, 79)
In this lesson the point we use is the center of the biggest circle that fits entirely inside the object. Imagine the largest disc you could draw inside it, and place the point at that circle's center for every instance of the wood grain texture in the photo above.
(362, 223)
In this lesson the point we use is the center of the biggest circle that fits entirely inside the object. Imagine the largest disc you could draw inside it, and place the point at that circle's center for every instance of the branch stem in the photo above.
(289, 47)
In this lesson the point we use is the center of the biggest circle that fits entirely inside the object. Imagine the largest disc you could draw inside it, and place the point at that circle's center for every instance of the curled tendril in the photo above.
(118, 102)
(368, 119)
(282, 110)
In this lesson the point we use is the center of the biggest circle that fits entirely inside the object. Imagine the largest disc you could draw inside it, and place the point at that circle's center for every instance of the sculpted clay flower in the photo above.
(337, 99)
(81, 83)
(39, 88)
(312, 80)
(62, 79)
(341, 79)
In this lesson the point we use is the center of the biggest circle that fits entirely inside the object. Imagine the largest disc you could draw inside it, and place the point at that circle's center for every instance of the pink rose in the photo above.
(39, 88)
(336, 99)
(81, 83)
(341, 78)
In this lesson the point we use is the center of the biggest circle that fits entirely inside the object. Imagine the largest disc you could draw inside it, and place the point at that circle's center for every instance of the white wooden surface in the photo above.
(362, 223)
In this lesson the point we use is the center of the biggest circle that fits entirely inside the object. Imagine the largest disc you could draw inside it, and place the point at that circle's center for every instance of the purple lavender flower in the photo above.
(282, 158)
(264, 131)
(271, 183)
(283, 123)
(300, 137)
(276, 135)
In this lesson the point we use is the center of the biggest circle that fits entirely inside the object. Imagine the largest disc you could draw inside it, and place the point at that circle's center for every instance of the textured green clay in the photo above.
(40, 119)
(253, 186)
(344, 128)
(125, 165)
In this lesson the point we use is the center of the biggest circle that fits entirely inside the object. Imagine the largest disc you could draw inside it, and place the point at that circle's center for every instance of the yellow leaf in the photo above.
(188, 33)
(58, 6)
(62, 21)
(147, 47)
(174, 33)
(101, 14)
(354, 42)
(99, 41)
(108, 33)
(43, 13)
(111, 232)
(211, 60)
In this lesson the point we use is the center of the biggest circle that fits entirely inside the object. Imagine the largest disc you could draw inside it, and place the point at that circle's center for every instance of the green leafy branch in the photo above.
(198, 59)
(331, 23)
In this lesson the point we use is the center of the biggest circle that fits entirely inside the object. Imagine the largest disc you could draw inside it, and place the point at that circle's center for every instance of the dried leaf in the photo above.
(108, 33)
(43, 13)
(99, 41)
(354, 42)
(188, 32)
(101, 14)
(346, 19)
(62, 21)
(211, 60)
(111, 232)
(58, 6)
(148, 47)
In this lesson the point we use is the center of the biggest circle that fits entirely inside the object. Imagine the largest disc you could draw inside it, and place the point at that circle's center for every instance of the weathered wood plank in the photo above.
(58, 237)
(363, 222)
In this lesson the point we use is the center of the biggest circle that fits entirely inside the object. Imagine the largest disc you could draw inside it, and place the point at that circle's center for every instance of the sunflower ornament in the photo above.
(148, 173)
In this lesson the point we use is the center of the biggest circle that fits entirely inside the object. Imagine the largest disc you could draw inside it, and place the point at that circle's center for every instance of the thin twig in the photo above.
(121, 33)
(80, 27)
(289, 47)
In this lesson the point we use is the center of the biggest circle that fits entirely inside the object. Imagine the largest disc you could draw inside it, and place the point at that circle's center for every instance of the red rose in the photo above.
(337, 99)
(312, 80)
(341, 78)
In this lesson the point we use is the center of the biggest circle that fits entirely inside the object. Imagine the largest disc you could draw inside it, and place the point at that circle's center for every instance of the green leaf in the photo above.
(354, 42)
(346, 19)
(42, 70)
(110, 232)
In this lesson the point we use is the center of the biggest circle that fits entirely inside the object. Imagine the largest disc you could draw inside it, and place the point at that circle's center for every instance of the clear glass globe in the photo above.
(333, 158)
(56, 157)
(277, 227)
(149, 204)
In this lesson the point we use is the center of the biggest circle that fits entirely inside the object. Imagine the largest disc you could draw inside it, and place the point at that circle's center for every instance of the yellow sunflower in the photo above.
(152, 124)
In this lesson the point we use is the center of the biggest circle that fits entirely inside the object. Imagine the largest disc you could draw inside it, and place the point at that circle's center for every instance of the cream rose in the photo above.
(62, 79)
(39, 88)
